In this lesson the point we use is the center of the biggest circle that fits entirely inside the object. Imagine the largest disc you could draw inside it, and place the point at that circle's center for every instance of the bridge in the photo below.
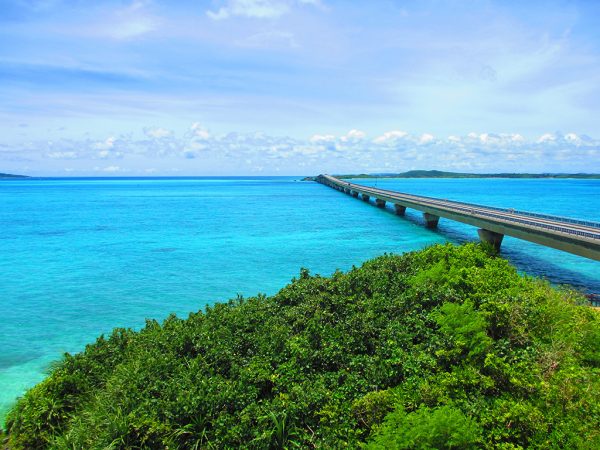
(579, 237)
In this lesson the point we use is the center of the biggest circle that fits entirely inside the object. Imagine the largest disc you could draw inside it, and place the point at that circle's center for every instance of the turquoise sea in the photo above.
(81, 256)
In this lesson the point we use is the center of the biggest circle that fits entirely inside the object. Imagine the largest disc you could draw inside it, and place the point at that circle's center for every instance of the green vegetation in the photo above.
(8, 175)
(441, 174)
(444, 348)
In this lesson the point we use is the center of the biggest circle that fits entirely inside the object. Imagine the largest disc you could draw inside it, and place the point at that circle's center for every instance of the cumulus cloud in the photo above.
(426, 138)
(488, 139)
(390, 136)
(109, 148)
(107, 144)
(317, 138)
(572, 137)
(548, 137)
(199, 131)
(194, 142)
(393, 150)
(354, 135)
(559, 139)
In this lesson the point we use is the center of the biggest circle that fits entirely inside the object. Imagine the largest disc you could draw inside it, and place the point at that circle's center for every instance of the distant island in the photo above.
(442, 174)
(8, 175)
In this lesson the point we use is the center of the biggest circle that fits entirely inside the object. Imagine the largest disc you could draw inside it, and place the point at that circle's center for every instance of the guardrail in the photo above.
(468, 208)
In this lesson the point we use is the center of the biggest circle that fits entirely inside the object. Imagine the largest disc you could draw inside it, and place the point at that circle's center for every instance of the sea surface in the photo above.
(79, 257)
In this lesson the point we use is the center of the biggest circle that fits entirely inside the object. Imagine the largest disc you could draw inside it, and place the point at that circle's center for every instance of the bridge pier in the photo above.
(379, 203)
(400, 210)
(579, 237)
(491, 237)
(431, 220)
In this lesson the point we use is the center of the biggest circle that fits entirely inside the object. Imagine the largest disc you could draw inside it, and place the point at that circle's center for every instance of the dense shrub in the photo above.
(444, 348)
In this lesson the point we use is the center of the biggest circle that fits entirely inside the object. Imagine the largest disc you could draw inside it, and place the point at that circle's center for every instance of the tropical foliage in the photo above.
(443, 348)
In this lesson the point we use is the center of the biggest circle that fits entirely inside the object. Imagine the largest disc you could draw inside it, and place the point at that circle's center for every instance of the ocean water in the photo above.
(79, 257)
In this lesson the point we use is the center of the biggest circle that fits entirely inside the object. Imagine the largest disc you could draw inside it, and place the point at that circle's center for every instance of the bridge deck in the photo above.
(580, 237)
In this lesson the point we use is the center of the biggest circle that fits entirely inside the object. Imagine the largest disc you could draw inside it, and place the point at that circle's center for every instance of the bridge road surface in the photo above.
(579, 237)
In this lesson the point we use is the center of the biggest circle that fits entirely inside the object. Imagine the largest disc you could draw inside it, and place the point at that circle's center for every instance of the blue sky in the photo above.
(232, 87)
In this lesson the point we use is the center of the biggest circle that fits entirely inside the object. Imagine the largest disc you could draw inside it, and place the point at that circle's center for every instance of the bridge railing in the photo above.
(533, 224)
(504, 218)
(467, 207)
(587, 223)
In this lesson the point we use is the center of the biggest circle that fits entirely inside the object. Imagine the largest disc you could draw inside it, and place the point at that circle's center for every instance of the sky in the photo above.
(298, 87)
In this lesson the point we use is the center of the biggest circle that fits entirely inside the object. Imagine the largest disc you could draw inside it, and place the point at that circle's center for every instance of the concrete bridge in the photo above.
(579, 237)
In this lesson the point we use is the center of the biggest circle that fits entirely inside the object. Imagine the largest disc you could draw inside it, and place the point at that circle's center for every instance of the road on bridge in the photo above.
(576, 236)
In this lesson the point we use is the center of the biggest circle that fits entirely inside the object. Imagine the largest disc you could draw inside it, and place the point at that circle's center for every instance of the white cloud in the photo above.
(199, 131)
(260, 9)
(317, 138)
(157, 133)
(132, 28)
(548, 137)
(107, 154)
(307, 150)
(107, 144)
(572, 137)
(390, 136)
(485, 137)
(62, 155)
(426, 138)
(488, 139)
(392, 151)
(354, 135)
(257, 9)
(195, 146)
(108, 169)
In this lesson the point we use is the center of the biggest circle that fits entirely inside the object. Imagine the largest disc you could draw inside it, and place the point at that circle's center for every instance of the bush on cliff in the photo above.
(444, 348)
